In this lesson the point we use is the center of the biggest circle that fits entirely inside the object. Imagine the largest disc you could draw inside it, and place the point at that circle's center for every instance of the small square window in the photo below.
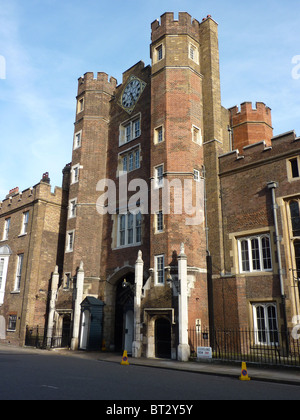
(294, 168)
(75, 174)
(77, 140)
(159, 176)
(159, 52)
(70, 241)
(194, 53)
(196, 135)
(80, 105)
(196, 175)
(159, 269)
(158, 135)
(159, 221)
(12, 322)
(72, 208)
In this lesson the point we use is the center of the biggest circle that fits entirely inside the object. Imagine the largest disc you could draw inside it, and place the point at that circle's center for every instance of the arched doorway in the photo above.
(124, 314)
(163, 338)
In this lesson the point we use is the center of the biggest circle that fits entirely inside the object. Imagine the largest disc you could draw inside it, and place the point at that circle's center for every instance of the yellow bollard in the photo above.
(244, 373)
(103, 346)
(125, 358)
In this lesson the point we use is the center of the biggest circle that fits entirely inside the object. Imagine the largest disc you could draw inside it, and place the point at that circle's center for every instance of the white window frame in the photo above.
(72, 210)
(12, 320)
(6, 228)
(159, 135)
(194, 53)
(129, 230)
(77, 140)
(266, 332)
(25, 220)
(69, 243)
(197, 175)
(130, 129)
(159, 270)
(74, 174)
(80, 105)
(158, 53)
(196, 135)
(18, 277)
(159, 177)
(3, 275)
(250, 251)
(159, 221)
(129, 160)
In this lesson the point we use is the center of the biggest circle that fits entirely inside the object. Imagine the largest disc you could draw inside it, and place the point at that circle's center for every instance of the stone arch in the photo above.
(5, 250)
(152, 315)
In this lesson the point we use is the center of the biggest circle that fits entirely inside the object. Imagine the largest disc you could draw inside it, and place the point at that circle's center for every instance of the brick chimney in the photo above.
(46, 178)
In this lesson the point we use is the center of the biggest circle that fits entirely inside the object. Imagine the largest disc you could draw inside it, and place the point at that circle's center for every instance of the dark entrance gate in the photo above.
(124, 306)
(163, 338)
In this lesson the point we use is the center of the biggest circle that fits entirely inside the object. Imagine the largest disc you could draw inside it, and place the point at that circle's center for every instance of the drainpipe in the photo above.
(272, 186)
(209, 268)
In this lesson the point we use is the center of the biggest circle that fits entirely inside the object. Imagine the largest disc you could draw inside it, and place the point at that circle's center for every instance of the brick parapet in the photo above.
(286, 144)
(41, 191)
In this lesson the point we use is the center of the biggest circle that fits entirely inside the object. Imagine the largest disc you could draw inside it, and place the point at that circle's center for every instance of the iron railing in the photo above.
(42, 338)
(243, 345)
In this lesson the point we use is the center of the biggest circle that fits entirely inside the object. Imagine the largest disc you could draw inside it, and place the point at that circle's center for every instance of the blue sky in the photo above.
(46, 45)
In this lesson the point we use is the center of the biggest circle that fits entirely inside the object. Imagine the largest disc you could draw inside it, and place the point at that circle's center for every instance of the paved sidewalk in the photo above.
(281, 375)
(287, 375)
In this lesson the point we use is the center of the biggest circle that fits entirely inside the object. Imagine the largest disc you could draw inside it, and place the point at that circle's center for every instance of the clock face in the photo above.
(131, 93)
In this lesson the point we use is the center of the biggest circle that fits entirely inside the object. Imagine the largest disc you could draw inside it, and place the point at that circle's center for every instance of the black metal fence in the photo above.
(42, 338)
(278, 348)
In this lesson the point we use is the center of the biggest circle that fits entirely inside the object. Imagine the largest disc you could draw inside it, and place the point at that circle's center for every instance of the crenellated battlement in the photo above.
(101, 82)
(170, 26)
(247, 112)
(250, 124)
(284, 145)
(18, 199)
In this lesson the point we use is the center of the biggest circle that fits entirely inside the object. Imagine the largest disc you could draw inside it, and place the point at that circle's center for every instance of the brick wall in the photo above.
(46, 228)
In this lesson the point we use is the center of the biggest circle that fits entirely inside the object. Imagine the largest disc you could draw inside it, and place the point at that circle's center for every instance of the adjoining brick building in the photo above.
(260, 188)
(32, 231)
(181, 214)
